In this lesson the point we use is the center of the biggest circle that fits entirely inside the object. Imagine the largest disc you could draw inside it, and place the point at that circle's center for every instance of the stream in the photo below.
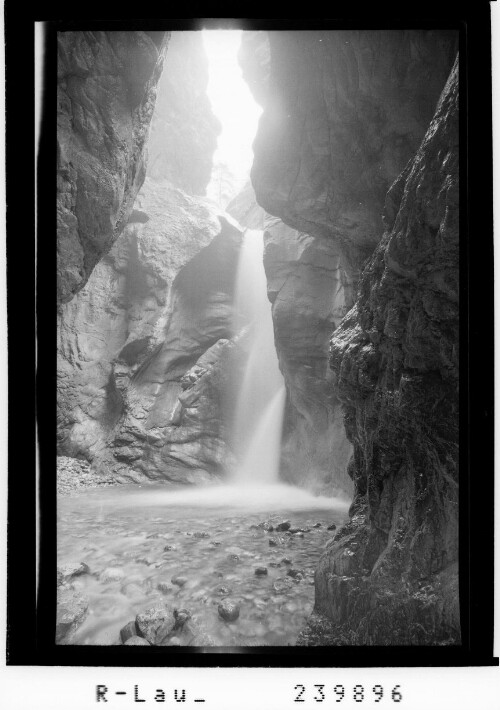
(136, 539)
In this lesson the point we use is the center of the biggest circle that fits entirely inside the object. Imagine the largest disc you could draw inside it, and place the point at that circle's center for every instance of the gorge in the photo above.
(258, 364)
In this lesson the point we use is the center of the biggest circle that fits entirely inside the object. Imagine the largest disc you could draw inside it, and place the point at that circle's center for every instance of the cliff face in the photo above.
(308, 293)
(106, 96)
(308, 296)
(142, 346)
(395, 357)
(343, 113)
(184, 130)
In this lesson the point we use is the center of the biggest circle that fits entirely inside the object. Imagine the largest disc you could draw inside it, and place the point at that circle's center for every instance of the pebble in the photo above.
(155, 624)
(286, 561)
(112, 574)
(179, 581)
(223, 590)
(181, 616)
(285, 525)
(317, 525)
(128, 631)
(233, 558)
(70, 570)
(332, 527)
(282, 584)
(201, 534)
(136, 641)
(170, 548)
(164, 587)
(72, 608)
(229, 611)
(260, 571)
(266, 526)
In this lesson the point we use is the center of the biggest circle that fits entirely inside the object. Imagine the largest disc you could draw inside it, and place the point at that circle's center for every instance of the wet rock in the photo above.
(145, 560)
(136, 641)
(332, 527)
(261, 571)
(106, 96)
(267, 526)
(164, 587)
(128, 631)
(317, 525)
(229, 611)
(296, 573)
(155, 624)
(181, 616)
(70, 570)
(112, 574)
(275, 541)
(72, 609)
(282, 584)
(286, 561)
(285, 525)
(179, 580)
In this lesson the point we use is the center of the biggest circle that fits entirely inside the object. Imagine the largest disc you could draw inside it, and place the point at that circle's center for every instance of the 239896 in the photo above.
(338, 693)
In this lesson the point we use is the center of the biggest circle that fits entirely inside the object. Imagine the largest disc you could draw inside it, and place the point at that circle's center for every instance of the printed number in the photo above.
(339, 691)
(320, 688)
(379, 691)
(298, 698)
(396, 695)
(358, 695)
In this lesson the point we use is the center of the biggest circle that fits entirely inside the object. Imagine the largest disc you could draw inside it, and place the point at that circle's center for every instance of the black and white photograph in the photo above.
(257, 324)
(258, 242)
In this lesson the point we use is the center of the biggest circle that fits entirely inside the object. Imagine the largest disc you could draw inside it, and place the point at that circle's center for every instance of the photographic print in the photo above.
(257, 380)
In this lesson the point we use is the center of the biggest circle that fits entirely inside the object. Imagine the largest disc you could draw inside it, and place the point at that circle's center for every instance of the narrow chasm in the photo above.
(246, 350)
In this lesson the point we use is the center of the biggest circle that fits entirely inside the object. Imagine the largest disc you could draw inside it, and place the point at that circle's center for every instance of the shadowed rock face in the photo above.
(143, 344)
(106, 96)
(152, 307)
(343, 113)
(393, 567)
(308, 295)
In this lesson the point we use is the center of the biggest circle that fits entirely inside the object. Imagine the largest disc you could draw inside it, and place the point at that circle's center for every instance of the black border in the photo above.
(30, 627)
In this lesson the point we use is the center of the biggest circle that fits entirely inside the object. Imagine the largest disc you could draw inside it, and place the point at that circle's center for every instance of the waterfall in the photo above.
(258, 419)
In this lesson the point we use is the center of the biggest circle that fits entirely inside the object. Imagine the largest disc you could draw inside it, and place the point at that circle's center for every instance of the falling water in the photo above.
(260, 403)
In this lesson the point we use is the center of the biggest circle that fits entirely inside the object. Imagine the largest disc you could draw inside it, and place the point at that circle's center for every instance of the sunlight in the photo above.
(235, 107)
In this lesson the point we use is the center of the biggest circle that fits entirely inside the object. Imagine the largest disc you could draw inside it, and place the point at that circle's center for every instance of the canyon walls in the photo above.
(142, 346)
(344, 113)
(395, 358)
(106, 95)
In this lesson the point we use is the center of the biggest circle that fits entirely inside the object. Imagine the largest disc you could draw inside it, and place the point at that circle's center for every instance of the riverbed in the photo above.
(215, 543)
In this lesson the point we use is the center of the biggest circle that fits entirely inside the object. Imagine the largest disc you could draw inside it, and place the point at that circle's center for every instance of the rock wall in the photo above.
(344, 114)
(105, 100)
(184, 130)
(308, 294)
(393, 568)
(143, 344)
